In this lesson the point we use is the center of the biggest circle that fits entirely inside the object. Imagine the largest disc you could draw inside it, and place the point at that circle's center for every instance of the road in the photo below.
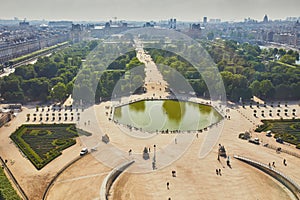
(154, 81)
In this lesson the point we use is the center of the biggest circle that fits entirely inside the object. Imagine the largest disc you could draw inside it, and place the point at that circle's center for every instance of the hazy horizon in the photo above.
(143, 10)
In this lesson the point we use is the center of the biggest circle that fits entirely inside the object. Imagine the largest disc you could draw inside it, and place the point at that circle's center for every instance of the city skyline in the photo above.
(142, 10)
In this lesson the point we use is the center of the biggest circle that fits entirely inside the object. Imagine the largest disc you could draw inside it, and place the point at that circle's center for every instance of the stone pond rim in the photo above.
(166, 115)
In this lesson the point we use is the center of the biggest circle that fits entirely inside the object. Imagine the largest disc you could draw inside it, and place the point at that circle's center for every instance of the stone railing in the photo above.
(282, 178)
(57, 175)
(110, 178)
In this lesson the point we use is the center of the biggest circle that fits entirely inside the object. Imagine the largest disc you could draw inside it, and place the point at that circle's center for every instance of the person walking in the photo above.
(129, 152)
(168, 184)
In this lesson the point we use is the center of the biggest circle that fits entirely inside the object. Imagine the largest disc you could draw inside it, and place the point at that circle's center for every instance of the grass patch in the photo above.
(42, 143)
(287, 65)
(288, 129)
(7, 192)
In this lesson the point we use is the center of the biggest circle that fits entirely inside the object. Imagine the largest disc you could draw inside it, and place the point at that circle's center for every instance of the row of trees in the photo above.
(109, 72)
(112, 69)
(246, 70)
(64, 73)
(50, 78)
(269, 73)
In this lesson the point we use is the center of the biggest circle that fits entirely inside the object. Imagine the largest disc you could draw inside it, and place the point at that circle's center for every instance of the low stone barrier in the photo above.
(57, 175)
(285, 180)
(110, 178)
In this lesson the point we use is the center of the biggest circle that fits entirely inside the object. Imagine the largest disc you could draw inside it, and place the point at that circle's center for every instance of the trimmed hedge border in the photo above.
(36, 159)
(265, 126)
(283, 128)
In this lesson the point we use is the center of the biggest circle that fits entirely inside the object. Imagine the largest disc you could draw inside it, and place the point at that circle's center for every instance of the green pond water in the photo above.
(158, 115)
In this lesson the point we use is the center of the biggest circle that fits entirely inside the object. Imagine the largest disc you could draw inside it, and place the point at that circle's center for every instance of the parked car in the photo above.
(279, 140)
(269, 134)
(83, 151)
(254, 141)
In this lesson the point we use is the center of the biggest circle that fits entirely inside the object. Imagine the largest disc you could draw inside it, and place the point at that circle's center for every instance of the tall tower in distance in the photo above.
(172, 23)
(204, 20)
(265, 20)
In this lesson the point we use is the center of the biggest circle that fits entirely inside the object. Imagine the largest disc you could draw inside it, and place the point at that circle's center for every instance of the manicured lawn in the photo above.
(7, 192)
(288, 130)
(42, 143)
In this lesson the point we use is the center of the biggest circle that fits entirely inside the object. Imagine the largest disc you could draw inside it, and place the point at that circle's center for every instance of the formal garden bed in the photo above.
(41, 143)
(287, 129)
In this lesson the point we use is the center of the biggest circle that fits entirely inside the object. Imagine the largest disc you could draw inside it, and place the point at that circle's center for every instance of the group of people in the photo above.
(218, 172)
(273, 163)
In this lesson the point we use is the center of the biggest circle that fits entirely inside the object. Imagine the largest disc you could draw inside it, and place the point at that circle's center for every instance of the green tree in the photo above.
(282, 91)
(59, 91)
(36, 89)
(266, 88)
(289, 59)
(69, 87)
(255, 88)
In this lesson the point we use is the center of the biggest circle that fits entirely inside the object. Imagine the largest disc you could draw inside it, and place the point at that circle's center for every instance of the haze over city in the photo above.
(143, 10)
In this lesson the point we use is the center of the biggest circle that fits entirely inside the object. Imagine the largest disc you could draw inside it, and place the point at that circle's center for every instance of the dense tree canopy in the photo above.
(44, 80)
(246, 70)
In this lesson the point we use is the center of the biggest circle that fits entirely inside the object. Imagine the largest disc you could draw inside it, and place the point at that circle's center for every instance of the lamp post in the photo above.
(154, 158)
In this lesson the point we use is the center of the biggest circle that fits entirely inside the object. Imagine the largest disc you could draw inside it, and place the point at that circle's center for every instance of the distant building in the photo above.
(108, 29)
(296, 30)
(284, 38)
(172, 23)
(23, 23)
(107, 25)
(266, 19)
(27, 40)
(270, 36)
(44, 26)
(60, 24)
(194, 31)
(215, 20)
(195, 26)
(293, 19)
(204, 20)
(149, 24)
(77, 32)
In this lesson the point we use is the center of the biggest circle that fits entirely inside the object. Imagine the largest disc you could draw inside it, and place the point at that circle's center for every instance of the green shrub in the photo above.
(43, 143)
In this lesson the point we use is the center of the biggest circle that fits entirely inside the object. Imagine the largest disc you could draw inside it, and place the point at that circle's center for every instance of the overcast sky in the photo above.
(183, 10)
